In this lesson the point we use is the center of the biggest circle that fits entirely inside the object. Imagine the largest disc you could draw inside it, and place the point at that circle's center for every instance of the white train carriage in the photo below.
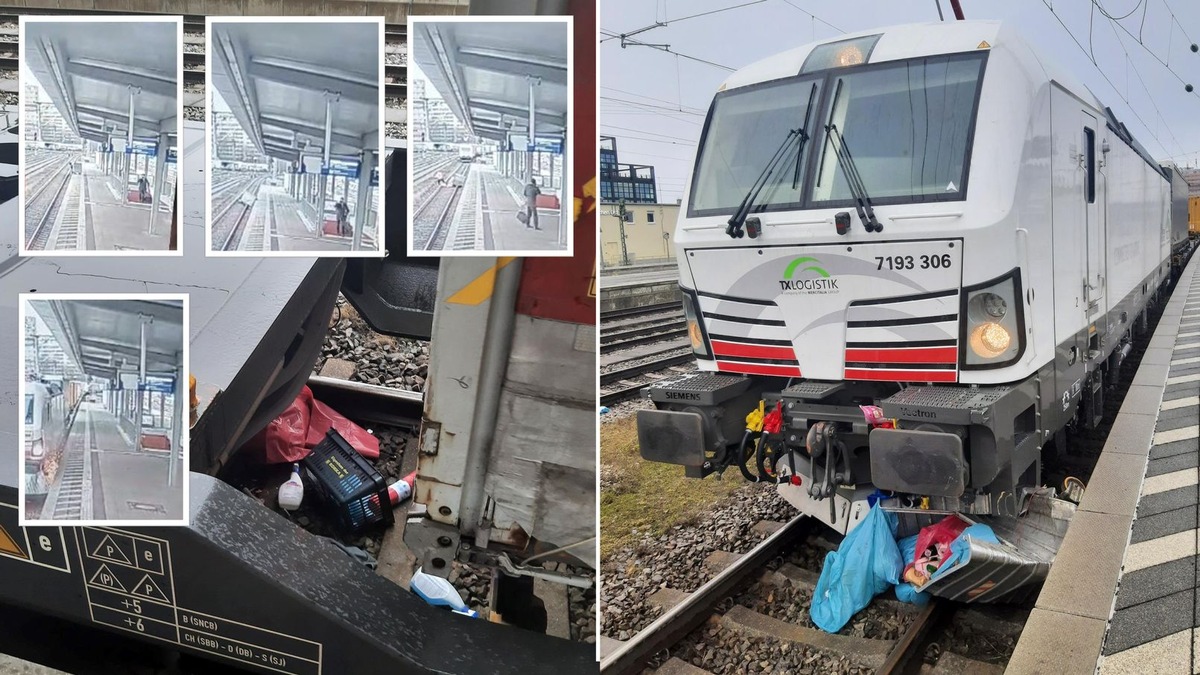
(931, 219)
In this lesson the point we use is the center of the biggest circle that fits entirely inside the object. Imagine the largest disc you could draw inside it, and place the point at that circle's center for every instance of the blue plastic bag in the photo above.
(866, 564)
(905, 591)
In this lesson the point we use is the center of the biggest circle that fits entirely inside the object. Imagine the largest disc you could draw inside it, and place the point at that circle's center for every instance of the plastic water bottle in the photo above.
(291, 493)
(440, 593)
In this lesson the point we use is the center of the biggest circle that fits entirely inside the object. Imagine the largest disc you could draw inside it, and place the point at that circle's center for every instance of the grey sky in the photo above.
(654, 102)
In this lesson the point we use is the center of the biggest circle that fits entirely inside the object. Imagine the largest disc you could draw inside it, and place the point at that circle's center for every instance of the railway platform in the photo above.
(106, 476)
(111, 223)
(502, 199)
(632, 287)
(1123, 593)
(281, 222)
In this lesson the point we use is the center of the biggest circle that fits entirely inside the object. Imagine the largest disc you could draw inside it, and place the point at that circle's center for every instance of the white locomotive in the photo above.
(926, 250)
(45, 423)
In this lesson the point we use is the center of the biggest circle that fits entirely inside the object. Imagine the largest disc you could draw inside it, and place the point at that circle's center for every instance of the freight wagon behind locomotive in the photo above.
(910, 258)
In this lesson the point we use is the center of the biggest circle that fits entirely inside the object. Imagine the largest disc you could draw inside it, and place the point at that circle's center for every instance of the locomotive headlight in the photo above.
(695, 329)
(993, 305)
(993, 323)
(990, 340)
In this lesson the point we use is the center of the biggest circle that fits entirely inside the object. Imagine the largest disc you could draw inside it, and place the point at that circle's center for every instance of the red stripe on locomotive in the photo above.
(903, 355)
(746, 351)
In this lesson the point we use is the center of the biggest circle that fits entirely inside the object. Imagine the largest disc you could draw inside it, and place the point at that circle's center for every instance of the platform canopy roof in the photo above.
(103, 337)
(276, 77)
(88, 68)
(482, 71)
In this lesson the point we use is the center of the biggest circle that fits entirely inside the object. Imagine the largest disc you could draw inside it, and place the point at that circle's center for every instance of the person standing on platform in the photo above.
(531, 195)
(143, 188)
(343, 216)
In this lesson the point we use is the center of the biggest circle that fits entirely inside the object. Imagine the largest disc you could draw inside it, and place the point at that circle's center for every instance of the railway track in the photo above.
(615, 341)
(43, 206)
(229, 221)
(625, 329)
(721, 604)
(432, 232)
(631, 312)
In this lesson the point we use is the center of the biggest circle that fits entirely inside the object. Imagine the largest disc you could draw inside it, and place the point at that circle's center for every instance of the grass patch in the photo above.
(648, 496)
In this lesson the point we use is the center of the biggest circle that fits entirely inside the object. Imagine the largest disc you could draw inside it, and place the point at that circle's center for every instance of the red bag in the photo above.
(291, 436)
(942, 532)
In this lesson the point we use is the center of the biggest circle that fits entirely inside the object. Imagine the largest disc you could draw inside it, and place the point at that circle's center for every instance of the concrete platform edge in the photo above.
(1044, 647)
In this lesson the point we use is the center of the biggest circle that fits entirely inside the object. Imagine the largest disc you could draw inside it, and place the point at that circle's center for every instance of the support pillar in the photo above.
(160, 175)
(133, 92)
(178, 403)
(324, 187)
(566, 214)
(141, 397)
(534, 82)
(363, 206)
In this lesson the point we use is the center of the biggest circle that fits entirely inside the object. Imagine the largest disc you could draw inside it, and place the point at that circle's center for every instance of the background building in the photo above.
(43, 123)
(420, 110)
(231, 142)
(648, 231)
(624, 182)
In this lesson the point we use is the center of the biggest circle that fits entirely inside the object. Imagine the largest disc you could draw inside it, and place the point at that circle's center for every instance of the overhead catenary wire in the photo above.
(667, 22)
(1149, 96)
(1137, 38)
(814, 16)
(625, 41)
(1102, 73)
(1118, 18)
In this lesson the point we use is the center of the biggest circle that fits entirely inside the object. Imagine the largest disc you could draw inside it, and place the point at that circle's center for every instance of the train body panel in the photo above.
(1024, 234)
(1180, 219)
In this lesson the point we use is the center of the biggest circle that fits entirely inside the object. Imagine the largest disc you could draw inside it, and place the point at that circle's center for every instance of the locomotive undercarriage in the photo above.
(968, 449)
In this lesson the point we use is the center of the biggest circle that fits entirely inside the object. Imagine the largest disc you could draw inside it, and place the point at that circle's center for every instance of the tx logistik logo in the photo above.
(814, 277)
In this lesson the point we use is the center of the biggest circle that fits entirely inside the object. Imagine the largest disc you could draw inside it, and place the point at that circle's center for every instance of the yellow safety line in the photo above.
(481, 287)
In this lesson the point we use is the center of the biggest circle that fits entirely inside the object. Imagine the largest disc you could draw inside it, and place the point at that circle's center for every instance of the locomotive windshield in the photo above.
(743, 134)
(908, 124)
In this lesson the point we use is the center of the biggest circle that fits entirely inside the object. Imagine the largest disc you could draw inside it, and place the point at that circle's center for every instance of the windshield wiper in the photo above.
(738, 219)
(854, 181)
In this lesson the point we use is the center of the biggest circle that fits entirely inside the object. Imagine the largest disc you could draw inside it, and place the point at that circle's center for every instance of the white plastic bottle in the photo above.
(439, 592)
(291, 493)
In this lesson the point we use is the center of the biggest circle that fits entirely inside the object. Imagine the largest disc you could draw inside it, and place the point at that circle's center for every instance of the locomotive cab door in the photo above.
(1094, 212)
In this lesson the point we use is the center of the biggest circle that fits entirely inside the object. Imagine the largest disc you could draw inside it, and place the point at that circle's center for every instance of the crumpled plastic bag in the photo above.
(866, 564)
(292, 436)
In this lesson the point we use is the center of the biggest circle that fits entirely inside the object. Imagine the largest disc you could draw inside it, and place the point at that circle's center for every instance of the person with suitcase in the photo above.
(531, 214)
